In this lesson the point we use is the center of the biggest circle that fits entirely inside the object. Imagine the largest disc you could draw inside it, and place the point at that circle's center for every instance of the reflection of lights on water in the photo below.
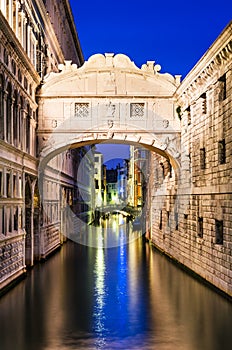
(99, 314)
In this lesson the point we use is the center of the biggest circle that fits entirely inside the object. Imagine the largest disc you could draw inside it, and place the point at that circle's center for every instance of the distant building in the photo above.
(138, 170)
(122, 182)
(98, 177)
(112, 186)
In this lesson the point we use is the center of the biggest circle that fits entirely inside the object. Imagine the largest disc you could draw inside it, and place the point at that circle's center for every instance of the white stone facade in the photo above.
(30, 47)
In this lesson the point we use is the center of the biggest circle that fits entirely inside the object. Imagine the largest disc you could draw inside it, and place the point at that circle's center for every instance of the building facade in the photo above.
(35, 37)
(193, 224)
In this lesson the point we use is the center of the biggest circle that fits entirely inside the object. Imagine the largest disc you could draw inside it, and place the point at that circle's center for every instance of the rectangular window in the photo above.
(204, 103)
(168, 219)
(160, 220)
(221, 152)
(200, 227)
(185, 223)
(188, 111)
(8, 185)
(176, 221)
(222, 88)
(219, 231)
(202, 158)
(1, 184)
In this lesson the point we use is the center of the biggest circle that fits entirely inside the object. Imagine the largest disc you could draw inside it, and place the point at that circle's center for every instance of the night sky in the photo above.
(175, 34)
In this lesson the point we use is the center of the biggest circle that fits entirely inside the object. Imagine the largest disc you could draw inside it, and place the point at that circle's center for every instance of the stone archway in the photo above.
(108, 99)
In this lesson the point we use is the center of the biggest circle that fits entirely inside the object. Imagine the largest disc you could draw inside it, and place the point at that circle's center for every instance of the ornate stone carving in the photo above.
(81, 110)
(137, 110)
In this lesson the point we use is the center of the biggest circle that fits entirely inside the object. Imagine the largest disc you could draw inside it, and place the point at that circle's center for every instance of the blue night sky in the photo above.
(174, 34)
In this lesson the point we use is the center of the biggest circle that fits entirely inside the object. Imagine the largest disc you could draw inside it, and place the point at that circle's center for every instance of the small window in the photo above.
(185, 222)
(168, 218)
(221, 152)
(200, 227)
(176, 220)
(202, 158)
(170, 169)
(219, 231)
(188, 111)
(204, 103)
(222, 88)
(161, 220)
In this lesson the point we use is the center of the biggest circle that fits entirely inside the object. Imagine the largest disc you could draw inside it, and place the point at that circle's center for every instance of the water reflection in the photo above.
(127, 297)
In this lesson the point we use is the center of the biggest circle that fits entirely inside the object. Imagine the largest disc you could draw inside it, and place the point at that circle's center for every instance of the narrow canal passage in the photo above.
(126, 297)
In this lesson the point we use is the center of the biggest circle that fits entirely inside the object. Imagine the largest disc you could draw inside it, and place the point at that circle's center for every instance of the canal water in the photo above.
(125, 297)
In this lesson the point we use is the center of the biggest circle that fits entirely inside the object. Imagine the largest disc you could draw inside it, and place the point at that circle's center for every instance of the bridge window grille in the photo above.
(221, 152)
(136, 110)
(219, 231)
(222, 88)
(200, 227)
(202, 158)
(81, 110)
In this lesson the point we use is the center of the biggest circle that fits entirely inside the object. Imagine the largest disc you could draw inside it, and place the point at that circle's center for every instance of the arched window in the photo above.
(1, 107)
(15, 120)
(21, 123)
(8, 113)
(28, 131)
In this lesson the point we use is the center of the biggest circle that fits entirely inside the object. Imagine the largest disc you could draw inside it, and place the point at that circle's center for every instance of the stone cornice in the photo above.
(205, 71)
(69, 15)
(49, 31)
(17, 47)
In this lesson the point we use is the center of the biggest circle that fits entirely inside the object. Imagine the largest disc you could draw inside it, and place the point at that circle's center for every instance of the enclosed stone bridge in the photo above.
(108, 99)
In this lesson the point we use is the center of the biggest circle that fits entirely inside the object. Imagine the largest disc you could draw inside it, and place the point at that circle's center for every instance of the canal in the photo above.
(124, 297)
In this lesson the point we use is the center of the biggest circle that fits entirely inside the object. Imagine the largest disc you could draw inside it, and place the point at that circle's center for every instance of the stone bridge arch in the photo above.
(108, 99)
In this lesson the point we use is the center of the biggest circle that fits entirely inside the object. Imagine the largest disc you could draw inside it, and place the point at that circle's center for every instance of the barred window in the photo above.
(219, 231)
(200, 227)
(202, 158)
(204, 103)
(188, 111)
(81, 110)
(222, 88)
(137, 110)
(161, 220)
(221, 152)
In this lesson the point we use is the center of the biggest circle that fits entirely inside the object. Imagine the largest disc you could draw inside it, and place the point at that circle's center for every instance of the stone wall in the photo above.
(199, 233)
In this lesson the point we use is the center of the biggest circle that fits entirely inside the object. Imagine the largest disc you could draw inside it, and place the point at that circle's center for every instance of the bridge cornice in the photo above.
(107, 74)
